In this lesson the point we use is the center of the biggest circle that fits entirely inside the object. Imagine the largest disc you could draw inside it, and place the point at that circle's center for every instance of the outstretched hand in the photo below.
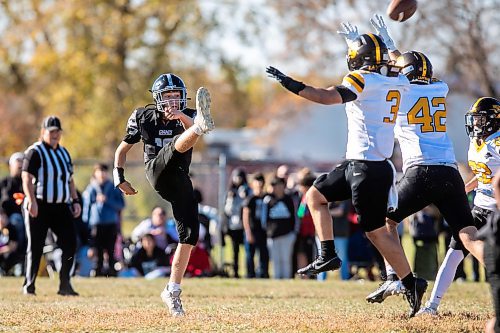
(286, 81)
(378, 23)
(349, 32)
(276, 74)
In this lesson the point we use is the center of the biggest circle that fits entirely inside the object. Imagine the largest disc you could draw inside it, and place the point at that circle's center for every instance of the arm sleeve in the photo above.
(31, 162)
(346, 94)
(132, 131)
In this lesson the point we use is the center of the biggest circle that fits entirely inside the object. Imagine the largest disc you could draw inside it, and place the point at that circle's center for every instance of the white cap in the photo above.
(14, 157)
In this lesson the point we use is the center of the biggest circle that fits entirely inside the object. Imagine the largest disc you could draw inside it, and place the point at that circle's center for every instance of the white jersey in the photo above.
(484, 160)
(371, 117)
(421, 128)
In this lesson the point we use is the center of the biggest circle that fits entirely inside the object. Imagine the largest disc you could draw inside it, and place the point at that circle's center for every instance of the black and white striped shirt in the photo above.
(52, 169)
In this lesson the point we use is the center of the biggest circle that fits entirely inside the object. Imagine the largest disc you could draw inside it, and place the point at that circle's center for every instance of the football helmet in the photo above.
(168, 82)
(416, 66)
(366, 52)
(483, 118)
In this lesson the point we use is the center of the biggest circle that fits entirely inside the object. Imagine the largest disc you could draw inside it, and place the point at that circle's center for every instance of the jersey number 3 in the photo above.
(393, 96)
(482, 171)
(420, 113)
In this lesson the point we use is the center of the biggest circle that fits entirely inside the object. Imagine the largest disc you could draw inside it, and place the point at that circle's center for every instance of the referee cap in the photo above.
(52, 123)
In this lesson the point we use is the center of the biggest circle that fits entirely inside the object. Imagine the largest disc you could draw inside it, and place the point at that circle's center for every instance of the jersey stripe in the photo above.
(477, 102)
(378, 55)
(424, 64)
(359, 85)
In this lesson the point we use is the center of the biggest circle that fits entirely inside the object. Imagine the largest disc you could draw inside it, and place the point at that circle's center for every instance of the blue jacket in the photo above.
(98, 213)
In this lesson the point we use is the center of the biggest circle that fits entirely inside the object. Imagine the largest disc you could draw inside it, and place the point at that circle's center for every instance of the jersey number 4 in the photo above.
(420, 113)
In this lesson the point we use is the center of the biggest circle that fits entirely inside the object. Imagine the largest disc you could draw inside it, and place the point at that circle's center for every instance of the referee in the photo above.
(51, 202)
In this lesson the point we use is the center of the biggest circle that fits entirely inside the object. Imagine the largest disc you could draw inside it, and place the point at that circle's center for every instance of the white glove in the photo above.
(378, 23)
(350, 32)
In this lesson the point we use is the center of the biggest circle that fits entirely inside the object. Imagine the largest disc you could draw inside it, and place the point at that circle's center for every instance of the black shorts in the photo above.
(172, 183)
(480, 216)
(366, 182)
(440, 185)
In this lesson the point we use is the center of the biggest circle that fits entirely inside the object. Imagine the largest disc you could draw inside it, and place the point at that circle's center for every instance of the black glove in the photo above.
(286, 81)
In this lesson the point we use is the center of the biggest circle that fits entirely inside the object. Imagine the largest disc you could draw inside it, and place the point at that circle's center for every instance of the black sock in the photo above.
(328, 249)
(409, 281)
(392, 277)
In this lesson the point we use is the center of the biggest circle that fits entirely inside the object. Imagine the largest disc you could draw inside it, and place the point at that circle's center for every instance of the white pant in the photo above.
(281, 251)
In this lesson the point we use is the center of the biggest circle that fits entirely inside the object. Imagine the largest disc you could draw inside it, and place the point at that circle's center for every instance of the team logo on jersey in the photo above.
(165, 132)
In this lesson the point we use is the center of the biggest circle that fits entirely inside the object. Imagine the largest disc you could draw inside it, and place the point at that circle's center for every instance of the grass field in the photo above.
(228, 305)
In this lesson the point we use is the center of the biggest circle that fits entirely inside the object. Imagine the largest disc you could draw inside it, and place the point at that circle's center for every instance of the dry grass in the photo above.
(225, 305)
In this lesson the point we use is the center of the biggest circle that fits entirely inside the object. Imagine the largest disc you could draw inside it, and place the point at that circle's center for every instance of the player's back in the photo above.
(371, 117)
(421, 126)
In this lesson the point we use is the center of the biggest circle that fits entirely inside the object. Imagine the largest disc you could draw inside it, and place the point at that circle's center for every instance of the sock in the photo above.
(390, 273)
(328, 249)
(409, 281)
(172, 286)
(445, 276)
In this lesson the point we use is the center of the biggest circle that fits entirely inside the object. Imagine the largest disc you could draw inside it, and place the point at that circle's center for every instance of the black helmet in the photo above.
(367, 50)
(416, 66)
(483, 118)
(168, 82)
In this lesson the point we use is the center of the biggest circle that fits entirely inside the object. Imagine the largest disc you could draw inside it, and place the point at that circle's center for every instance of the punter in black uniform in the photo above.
(169, 131)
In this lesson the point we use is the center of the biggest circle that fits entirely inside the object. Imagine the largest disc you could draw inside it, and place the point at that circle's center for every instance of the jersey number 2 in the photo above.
(393, 96)
(420, 113)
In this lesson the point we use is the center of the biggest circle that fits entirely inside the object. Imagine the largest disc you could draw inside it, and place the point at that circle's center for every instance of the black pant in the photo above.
(260, 244)
(104, 239)
(236, 240)
(172, 182)
(440, 185)
(59, 219)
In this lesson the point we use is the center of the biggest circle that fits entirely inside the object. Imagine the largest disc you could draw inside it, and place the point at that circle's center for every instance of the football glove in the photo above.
(349, 32)
(286, 81)
(378, 23)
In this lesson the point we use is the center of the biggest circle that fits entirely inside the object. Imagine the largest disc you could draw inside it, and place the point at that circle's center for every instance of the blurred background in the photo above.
(92, 63)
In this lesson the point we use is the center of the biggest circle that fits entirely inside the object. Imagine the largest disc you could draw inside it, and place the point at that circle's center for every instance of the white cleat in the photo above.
(203, 117)
(386, 289)
(427, 310)
(173, 301)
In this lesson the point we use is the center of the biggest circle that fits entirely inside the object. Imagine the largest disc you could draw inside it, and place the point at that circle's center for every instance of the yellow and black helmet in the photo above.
(416, 66)
(365, 51)
(483, 118)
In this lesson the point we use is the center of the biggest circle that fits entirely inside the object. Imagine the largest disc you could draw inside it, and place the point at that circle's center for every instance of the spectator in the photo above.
(278, 216)
(238, 191)
(11, 197)
(305, 243)
(102, 204)
(154, 225)
(255, 235)
(9, 255)
(424, 230)
(150, 261)
(341, 230)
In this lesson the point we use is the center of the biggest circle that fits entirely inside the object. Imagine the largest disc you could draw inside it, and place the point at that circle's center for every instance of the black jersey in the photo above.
(146, 124)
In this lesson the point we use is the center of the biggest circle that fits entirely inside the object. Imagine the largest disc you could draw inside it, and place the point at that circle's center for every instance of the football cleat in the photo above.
(321, 264)
(414, 295)
(173, 301)
(427, 310)
(386, 289)
(203, 118)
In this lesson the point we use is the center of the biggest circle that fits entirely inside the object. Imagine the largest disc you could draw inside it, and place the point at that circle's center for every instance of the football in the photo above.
(401, 10)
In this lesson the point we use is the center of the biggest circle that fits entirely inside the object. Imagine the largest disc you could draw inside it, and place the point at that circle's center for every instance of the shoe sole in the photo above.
(203, 102)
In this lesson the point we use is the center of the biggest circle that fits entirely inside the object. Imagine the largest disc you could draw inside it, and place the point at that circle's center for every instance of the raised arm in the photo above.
(328, 96)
